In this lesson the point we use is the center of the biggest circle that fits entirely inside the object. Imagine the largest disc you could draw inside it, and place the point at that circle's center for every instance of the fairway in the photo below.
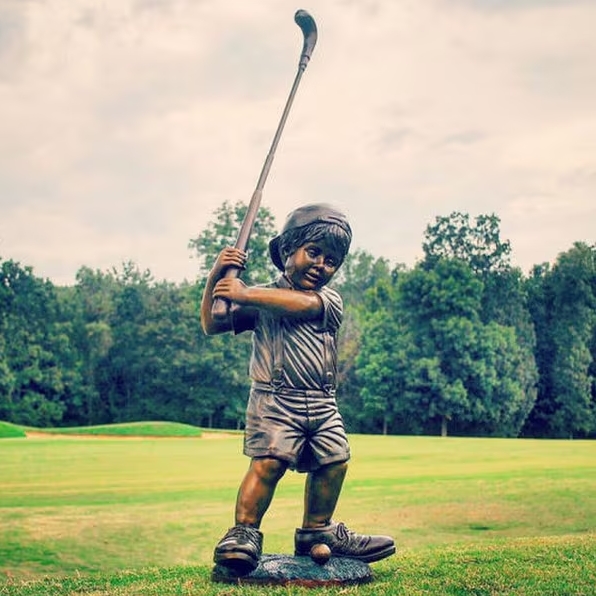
(75, 505)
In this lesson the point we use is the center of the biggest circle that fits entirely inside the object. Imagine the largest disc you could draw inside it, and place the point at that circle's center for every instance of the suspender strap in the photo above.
(329, 355)
(277, 378)
(328, 364)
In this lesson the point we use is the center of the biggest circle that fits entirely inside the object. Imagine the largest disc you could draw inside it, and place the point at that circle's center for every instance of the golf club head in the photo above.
(309, 30)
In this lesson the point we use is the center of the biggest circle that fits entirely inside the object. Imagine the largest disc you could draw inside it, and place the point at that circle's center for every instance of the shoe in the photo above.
(344, 543)
(240, 549)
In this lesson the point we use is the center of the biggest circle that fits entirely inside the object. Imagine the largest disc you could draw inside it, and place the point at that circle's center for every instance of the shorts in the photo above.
(304, 429)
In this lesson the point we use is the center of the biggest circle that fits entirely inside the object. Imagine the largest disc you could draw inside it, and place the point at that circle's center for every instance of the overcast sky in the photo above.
(125, 124)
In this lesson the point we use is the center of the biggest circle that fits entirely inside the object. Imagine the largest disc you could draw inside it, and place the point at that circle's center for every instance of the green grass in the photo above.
(555, 566)
(126, 429)
(470, 516)
(10, 431)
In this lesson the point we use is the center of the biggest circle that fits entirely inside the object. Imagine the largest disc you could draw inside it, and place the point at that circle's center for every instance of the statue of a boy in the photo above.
(292, 418)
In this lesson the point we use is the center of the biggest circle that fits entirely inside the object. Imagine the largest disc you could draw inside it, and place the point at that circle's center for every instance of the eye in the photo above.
(312, 252)
(331, 262)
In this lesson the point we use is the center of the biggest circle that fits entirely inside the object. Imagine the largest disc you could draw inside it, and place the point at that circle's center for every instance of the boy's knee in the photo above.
(335, 469)
(341, 466)
(269, 469)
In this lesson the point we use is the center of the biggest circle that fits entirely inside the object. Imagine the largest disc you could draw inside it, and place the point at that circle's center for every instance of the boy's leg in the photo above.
(257, 490)
(321, 494)
(241, 547)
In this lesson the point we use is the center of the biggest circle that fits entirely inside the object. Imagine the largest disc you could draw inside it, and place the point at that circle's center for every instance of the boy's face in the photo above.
(312, 265)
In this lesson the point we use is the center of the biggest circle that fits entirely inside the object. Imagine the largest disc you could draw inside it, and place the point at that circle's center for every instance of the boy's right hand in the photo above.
(229, 257)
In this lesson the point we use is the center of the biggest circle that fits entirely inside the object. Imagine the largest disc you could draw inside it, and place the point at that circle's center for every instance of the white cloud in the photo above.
(126, 124)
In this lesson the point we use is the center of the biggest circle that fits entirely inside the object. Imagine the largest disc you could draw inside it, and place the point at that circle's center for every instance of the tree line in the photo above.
(461, 343)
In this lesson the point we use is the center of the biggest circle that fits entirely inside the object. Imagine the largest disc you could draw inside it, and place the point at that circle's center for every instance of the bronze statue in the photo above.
(292, 418)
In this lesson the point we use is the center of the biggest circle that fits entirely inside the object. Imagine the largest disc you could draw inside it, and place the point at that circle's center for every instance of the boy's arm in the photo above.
(279, 301)
(228, 257)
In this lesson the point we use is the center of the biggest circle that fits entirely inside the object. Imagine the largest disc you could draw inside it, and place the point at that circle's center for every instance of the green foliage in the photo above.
(466, 372)
(36, 360)
(383, 364)
(222, 232)
(479, 244)
(366, 286)
(563, 305)
(461, 342)
(449, 289)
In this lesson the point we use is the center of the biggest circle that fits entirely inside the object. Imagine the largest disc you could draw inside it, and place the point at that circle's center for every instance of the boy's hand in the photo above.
(229, 257)
(232, 289)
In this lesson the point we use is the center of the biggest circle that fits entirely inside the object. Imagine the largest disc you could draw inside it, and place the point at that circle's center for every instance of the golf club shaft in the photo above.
(220, 308)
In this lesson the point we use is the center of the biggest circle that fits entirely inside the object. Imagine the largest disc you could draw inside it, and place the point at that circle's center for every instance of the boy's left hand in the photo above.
(232, 289)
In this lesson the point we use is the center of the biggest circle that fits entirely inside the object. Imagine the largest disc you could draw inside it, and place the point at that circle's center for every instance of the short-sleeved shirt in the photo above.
(306, 349)
(292, 414)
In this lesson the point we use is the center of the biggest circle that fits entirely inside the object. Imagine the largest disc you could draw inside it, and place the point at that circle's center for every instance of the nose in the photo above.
(319, 261)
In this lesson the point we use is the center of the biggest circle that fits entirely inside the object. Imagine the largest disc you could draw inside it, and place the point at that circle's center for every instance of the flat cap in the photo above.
(304, 216)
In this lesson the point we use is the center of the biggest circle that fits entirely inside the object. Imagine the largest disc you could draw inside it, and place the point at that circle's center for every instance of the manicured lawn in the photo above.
(462, 512)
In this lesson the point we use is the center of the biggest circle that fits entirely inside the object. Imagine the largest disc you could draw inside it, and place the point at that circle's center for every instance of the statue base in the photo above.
(302, 571)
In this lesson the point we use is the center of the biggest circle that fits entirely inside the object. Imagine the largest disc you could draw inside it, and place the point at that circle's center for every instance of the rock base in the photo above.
(303, 571)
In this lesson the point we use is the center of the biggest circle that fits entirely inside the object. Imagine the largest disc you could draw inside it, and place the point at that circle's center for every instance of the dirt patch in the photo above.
(38, 435)
(222, 435)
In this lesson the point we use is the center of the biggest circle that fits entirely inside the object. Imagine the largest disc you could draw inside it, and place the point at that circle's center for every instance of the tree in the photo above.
(383, 367)
(504, 300)
(88, 309)
(39, 371)
(479, 244)
(355, 280)
(563, 305)
(467, 373)
(7, 383)
(222, 232)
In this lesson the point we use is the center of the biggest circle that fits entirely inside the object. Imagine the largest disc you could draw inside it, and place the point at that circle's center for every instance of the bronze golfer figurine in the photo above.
(292, 418)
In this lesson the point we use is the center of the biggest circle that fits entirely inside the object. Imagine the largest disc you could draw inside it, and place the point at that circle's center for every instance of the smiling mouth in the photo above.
(315, 279)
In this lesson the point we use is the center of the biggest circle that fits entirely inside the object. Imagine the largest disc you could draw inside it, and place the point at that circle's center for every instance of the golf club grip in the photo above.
(221, 307)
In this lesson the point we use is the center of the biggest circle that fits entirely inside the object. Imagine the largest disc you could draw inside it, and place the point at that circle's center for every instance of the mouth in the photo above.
(312, 278)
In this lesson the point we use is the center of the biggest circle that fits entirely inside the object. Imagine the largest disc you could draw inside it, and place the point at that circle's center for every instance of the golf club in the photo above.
(304, 20)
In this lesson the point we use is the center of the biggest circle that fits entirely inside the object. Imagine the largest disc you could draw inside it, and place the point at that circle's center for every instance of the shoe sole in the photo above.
(378, 556)
(239, 563)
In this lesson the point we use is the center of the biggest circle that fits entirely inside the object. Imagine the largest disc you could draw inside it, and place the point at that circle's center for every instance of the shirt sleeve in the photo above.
(244, 318)
(333, 309)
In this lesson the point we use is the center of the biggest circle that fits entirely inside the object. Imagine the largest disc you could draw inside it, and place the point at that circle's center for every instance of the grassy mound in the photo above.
(128, 429)
(10, 431)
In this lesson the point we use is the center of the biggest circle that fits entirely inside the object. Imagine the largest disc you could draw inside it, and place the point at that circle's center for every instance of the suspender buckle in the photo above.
(277, 379)
(329, 386)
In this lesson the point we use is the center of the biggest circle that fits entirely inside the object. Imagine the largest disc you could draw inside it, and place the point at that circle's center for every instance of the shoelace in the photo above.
(347, 536)
(243, 532)
(343, 533)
